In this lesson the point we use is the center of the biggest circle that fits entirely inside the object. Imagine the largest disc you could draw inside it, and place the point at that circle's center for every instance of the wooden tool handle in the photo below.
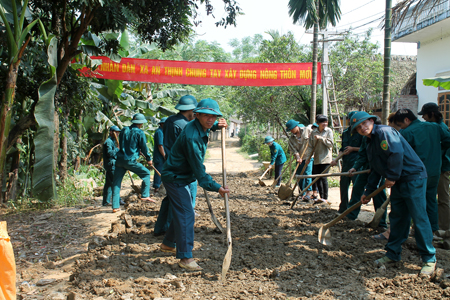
(224, 171)
(293, 174)
(332, 174)
(156, 170)
(284, 171)
(267, 170)
(314, 181)
(353, 207)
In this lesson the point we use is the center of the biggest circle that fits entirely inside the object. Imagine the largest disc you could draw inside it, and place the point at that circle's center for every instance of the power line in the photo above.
(377, 19)
(358, 7)
(359, 20)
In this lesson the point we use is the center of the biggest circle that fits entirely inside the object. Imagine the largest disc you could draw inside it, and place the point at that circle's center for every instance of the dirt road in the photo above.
(276, 254)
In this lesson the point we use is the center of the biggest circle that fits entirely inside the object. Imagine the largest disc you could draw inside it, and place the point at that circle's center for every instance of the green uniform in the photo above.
(426, 138)
(132, 143)
(352, 140)
(277, 155)
(109, 162)
(185, 163)
(443, 190)
(362, 163)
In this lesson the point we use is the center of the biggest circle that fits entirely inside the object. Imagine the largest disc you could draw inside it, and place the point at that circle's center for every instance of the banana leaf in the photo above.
(43, 175)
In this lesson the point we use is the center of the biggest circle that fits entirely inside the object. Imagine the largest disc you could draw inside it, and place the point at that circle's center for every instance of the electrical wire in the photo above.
(358, 7)
(345, 25)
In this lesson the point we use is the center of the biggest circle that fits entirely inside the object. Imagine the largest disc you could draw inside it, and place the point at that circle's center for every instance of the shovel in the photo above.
(332, 174)
(275, 181)
(261, 183)
(379, 214)
(213, 217)
(314, 181)
(136, 189)
(227, 259)
(286, 192)
(324, 231)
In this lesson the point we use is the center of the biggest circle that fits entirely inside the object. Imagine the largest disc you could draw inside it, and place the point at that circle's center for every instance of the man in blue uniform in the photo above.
(158, 153)
(172, 129)
(109, 162)
(426, 139)
(351, 142)
(277, 157)
(298, 144)
(183, 166)
(132, 142)
(391, 157)
(430, 113)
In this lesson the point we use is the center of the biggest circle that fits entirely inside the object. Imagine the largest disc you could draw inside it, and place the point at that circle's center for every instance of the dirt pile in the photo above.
(276, 255)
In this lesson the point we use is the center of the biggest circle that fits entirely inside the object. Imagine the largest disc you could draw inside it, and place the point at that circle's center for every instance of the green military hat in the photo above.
(139, 119)
(114, 128)
(268, 139)
(359, 117)
(292, 123)
(163, 120)
(187, 102)
(208, 106)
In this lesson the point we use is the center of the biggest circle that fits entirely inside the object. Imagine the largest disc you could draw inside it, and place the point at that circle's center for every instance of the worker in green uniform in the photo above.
(430, 113)
(110, 149)
(277, 157)
(132, 142)
(298, 142)
(158, 153)
(390, 156)
(183, 166)
(426, 139)
(173, 126)
(350, 147)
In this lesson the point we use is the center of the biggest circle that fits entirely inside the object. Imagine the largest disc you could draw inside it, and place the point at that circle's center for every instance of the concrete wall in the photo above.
(432, 58)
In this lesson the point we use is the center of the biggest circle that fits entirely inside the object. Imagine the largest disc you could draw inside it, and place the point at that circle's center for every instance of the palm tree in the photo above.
(317, 13)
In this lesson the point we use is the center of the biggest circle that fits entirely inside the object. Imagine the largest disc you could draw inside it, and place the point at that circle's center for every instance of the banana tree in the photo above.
(44, 167)
(13, 14)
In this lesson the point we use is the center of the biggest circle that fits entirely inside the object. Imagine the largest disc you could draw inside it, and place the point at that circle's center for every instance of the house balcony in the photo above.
(430, 24)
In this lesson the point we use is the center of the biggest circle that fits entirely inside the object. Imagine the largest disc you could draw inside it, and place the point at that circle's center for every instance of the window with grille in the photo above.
(444, 107)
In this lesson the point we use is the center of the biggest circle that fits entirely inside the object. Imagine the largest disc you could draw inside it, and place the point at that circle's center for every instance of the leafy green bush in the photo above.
(251, 144)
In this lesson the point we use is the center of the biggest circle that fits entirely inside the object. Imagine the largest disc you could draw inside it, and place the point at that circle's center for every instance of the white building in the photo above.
(431, 33)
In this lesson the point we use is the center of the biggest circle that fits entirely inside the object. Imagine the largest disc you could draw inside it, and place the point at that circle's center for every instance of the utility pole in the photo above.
(387, 62)
(324, 62)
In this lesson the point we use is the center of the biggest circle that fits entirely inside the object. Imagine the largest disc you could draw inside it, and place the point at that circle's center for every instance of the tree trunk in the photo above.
(312, 116)
(63, 145)
(387, 62)
(5, 115)
(12, 188)
(79, 138)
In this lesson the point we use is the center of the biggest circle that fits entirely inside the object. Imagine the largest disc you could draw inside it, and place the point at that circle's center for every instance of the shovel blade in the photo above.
(284, 192)
(226, 264)
(136, 189)
(261, 183)
(376, 218)
(325, 236)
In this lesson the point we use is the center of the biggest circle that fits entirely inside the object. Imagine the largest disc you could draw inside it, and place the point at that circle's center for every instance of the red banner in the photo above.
(204, 73)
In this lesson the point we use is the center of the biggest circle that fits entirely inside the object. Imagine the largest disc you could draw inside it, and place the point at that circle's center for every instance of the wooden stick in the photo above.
(331, 174)
(227, 259)
(314, 181)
